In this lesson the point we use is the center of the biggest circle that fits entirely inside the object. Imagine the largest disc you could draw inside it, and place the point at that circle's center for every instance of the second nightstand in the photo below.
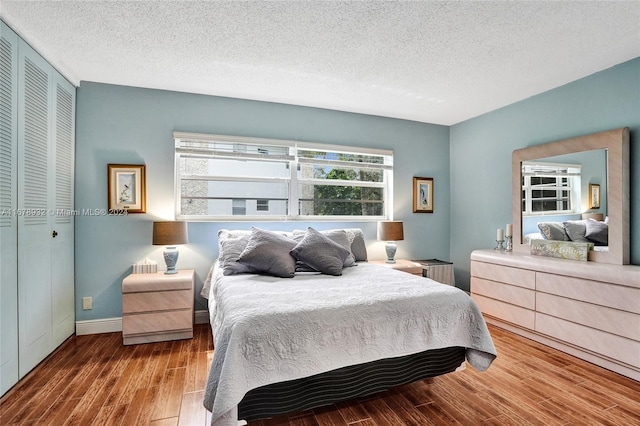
(438, 270)
(401, 265)
(157, 307)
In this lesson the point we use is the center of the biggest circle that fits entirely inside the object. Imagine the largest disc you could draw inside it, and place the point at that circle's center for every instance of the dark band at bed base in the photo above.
(347, 383)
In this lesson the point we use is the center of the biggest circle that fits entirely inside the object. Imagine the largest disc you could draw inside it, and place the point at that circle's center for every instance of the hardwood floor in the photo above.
(94, 380)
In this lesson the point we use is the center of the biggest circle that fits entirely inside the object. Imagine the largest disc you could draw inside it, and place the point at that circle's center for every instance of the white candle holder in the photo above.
(509, 243)
(499, 245)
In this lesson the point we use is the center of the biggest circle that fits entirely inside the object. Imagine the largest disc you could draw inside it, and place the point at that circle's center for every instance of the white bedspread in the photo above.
(268, 329)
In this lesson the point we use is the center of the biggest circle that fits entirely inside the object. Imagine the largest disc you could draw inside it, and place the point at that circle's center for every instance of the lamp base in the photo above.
(170, 259)
(391, 248)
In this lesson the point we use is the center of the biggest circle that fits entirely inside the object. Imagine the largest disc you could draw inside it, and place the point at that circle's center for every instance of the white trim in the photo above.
(202, 317)
(233, 139)
(114, 325)
(279, 142)
(346, 149)
(97, 326)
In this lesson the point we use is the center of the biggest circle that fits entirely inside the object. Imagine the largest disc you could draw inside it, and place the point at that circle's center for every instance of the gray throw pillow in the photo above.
(231, 244)
(355, 238)
(336, 235)
(358, 246)
(267, 253)
(230, 250)
(553, 231)
(321, 253)
(597, 232)
(340, 236)
(576, 230)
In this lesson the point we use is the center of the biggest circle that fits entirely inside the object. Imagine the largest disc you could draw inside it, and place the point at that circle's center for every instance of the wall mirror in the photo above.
(607, 154)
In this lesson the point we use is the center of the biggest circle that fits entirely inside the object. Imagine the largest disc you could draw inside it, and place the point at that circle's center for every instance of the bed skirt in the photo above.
(347, 383)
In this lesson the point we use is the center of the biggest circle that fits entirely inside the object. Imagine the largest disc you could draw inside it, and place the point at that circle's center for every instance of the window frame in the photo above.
(555, 170)
(293, 195)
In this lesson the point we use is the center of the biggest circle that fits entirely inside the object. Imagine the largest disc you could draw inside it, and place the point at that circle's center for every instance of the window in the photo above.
(223, 177)
(239, 207)
(549, 188)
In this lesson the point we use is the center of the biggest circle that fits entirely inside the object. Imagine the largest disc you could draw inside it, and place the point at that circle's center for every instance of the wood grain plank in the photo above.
(364, 422)
(172, 421)
(380, 412)
(352, 411)
(434, 412)
(110, 415)
(57, 414)
(323, 416)
(192, 412)
(406, 411)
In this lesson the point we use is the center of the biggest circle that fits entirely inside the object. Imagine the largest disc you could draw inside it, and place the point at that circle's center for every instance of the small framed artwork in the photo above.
(126, 188)
(594, 196)
(422, 195)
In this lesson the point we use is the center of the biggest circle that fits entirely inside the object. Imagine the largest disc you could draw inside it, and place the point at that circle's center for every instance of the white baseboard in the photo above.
(202, 317)
(106, 325)
(114, 325)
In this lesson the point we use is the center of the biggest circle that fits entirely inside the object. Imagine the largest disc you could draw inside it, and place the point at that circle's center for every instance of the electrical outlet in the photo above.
(87, 303)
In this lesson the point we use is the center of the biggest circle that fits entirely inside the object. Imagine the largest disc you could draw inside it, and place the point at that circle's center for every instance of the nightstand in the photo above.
(438, 270)
(401, 265)
(157, 307)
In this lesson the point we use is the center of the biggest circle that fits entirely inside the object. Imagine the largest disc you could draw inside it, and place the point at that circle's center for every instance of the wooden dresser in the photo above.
(157, 307)
(589, 310)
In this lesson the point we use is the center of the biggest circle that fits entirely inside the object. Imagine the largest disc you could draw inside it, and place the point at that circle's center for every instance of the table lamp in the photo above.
(170, 234)
(595, 216)
(390, 231)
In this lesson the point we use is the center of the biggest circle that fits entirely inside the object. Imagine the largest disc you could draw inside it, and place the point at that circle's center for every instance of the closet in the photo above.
(37, 137)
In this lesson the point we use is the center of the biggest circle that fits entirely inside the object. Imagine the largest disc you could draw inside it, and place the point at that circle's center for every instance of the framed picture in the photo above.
(422, 195)
(594, 196)
(126, 188)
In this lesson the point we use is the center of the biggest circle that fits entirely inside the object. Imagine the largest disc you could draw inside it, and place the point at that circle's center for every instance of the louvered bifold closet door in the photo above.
(8, 204)
(34, 195)
(62, 274)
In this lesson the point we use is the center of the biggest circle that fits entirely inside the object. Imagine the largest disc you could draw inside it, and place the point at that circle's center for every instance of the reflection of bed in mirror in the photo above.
(603, 160)
(587, 228)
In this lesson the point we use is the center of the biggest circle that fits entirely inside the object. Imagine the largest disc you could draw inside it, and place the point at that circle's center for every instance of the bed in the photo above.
(280, 338)
(580, 231)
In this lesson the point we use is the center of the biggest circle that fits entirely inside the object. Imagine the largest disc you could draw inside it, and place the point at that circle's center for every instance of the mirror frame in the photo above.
(616, 142)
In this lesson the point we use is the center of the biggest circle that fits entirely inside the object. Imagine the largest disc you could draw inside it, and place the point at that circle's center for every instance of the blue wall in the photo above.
(470, 161)
(481, 152)
(117, 124)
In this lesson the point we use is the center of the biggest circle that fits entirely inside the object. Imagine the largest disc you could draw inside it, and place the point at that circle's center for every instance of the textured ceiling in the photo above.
(435, 62)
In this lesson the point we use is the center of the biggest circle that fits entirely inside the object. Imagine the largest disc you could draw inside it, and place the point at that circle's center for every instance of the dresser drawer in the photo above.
(606, 319)
(514, 295)
(157, 322)
(504, 274)
(505, 311)
(156, 301)
(610, 345)
(611, 295)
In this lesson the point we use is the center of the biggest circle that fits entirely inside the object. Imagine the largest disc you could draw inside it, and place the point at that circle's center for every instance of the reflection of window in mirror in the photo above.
(557, 189)
(550, 188)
